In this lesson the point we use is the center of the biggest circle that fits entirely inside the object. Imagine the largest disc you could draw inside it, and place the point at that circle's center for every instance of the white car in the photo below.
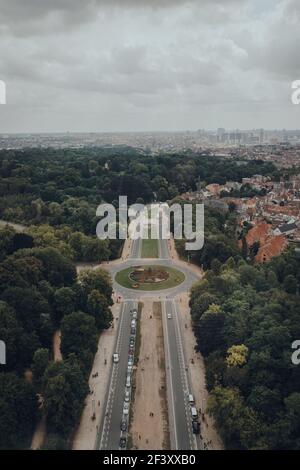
(127, 396)
(116, 358)
(125, 408)
(169, 315)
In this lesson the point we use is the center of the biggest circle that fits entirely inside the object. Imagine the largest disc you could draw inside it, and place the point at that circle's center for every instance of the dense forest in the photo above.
(220, 235)
(60, 187)
(245, 319)
(40, 292)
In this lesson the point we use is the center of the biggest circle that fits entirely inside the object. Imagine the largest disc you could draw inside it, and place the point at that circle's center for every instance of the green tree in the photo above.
(79, 336)
(65, 389)
(238, 424)
(290, 284)
(210, 329)
(18, 409)
(63, 302)
(98, 307)
(40, 363)
(97, 279)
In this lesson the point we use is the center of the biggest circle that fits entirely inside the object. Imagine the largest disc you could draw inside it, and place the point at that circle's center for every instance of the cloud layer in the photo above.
(148, 65)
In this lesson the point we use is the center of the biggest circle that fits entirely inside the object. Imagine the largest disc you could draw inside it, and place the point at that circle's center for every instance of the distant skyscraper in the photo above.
(261, 136)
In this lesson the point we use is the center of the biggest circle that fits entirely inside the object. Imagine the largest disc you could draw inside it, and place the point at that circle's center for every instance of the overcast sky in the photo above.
(134, 65)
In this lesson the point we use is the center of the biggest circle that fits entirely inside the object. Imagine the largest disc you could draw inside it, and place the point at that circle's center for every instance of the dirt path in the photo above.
(17, 227)
(150, 432)
(40, 432)
(197, 375)
(56, 346)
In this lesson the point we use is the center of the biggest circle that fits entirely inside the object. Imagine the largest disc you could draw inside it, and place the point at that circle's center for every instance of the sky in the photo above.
(148, 65)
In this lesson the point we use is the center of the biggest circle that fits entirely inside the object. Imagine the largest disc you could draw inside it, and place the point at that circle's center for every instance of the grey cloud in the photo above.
(276, 51)
(24, 18)
(120, 64)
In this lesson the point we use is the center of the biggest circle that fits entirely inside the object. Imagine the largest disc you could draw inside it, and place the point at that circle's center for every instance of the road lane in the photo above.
(179, 386)
(110, 428)
(136, 249)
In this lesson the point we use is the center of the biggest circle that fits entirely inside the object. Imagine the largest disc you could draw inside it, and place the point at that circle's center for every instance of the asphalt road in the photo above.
(110, 431)
(178, 382)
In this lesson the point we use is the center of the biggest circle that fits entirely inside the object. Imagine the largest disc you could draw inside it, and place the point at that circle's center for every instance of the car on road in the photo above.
(191, 399)
(194, 413)
(116, 358)
(125, 408)
(130, 360)
(128, 381)
(196, 427)
(123, 425)
(169, 315)
(123, 443)
(134, 314)
(127, 396)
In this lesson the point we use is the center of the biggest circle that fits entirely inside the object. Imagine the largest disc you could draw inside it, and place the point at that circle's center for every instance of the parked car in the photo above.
(194, 413)
(123, 425)
(191, 399)
(127, 396)
(123, 443)
(196, 427)
(126, 408)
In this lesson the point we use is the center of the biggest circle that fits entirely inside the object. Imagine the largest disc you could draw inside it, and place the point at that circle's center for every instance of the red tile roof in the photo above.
(274, 247)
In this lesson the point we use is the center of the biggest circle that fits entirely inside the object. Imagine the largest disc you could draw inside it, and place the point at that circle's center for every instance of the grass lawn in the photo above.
(175, 278)
(149, 248)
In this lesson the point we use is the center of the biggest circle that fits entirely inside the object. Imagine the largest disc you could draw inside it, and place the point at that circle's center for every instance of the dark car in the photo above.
(196, 427)
(123, 425)
(123, 442)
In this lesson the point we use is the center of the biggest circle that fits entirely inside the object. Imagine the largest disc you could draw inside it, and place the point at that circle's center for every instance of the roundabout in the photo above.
(149, 277)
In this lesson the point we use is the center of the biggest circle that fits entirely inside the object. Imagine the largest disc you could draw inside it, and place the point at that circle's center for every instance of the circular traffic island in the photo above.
(150, 277)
